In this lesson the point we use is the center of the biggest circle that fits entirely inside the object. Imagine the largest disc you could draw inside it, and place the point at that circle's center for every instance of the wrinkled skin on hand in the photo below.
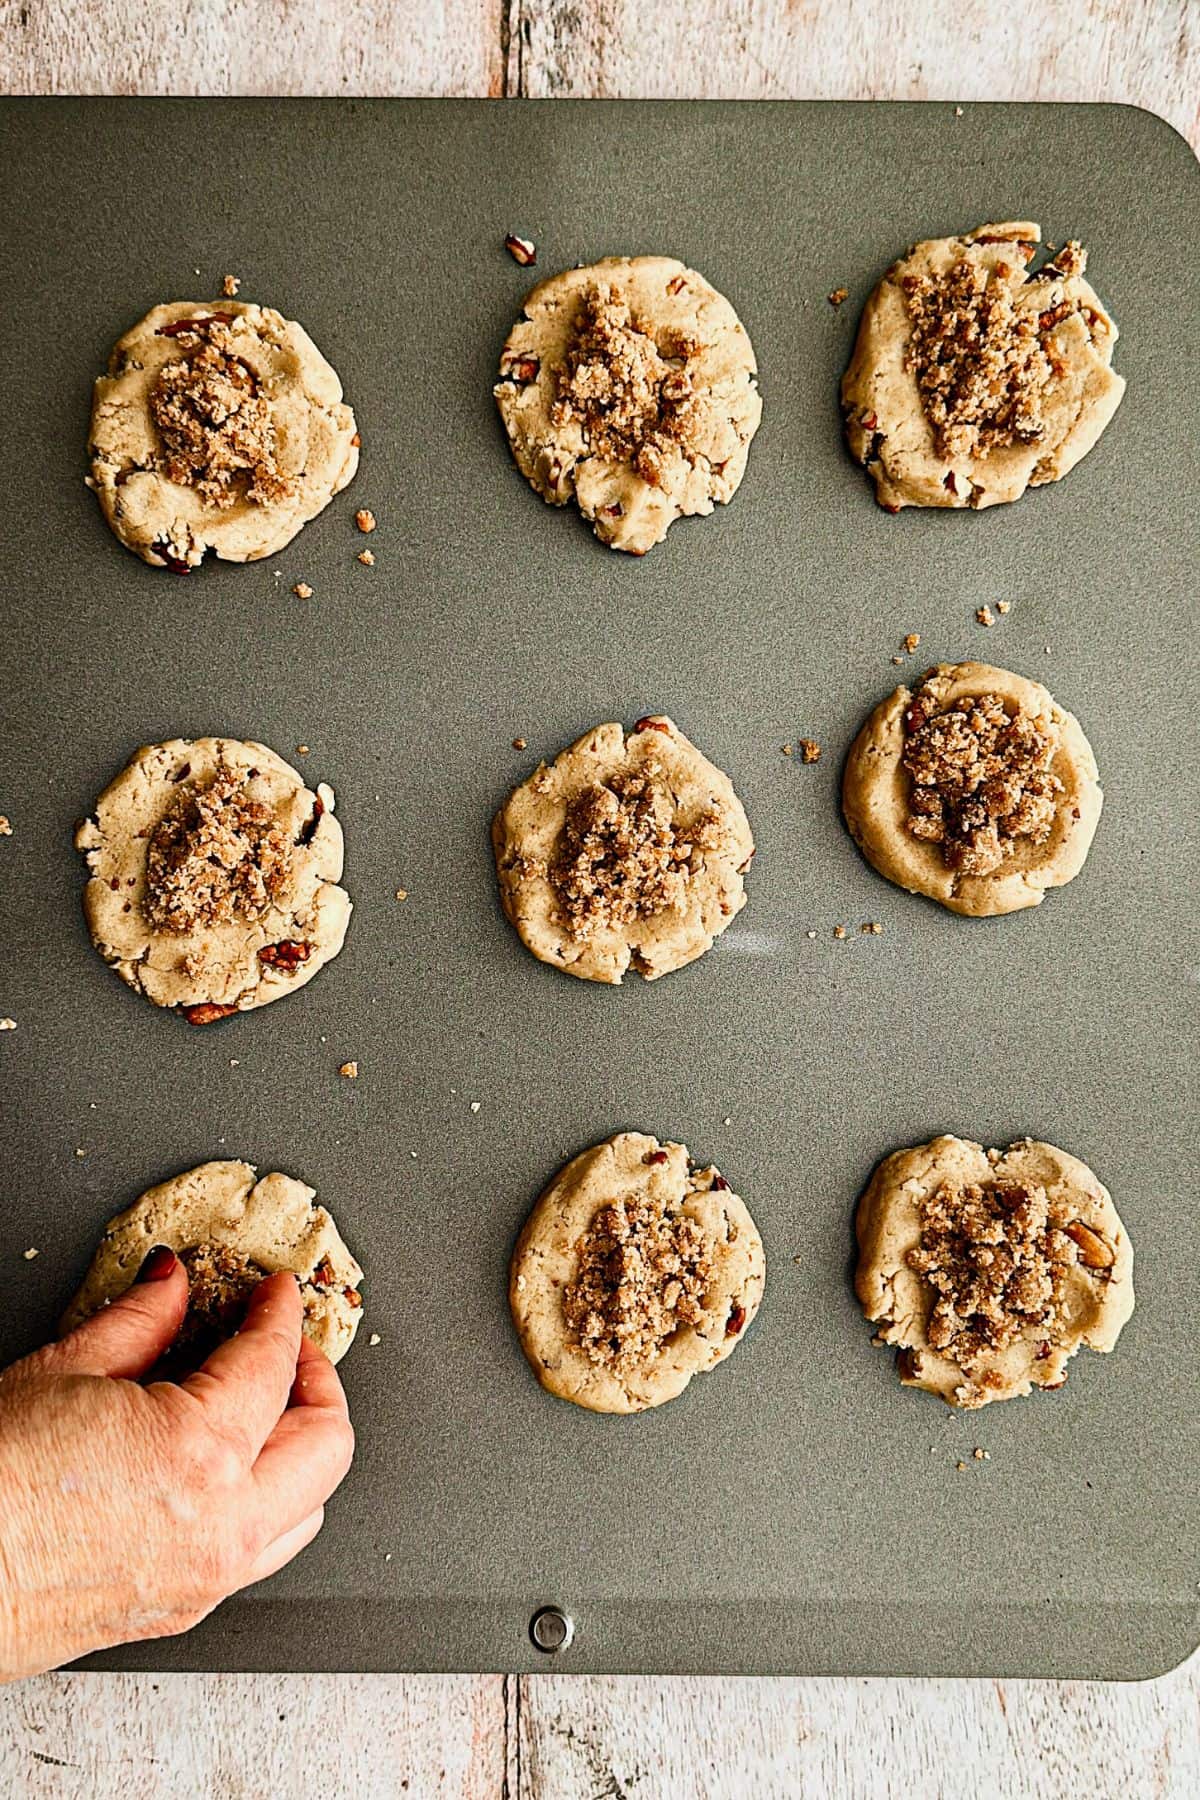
(131, 1511)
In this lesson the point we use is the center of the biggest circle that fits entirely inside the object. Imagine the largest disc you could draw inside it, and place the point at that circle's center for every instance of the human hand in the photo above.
(130, 1512)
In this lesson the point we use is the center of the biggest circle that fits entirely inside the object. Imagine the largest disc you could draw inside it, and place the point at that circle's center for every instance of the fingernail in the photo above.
(157, 1266)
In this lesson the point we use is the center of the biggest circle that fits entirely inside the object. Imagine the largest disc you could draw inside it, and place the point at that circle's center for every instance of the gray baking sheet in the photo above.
(797, 1510)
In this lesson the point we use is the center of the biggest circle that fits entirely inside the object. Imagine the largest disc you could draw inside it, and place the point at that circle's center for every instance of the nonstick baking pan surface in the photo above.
(796, 1509)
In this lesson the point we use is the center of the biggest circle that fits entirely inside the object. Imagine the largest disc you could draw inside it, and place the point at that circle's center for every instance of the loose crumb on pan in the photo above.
(839, 931)
(301, 749)
(302, 591)
(1004, 606)
(984, 615)
(29, 1254)
(6, 829)
(642, 1272)
(366, 558)
(838, 295)
(402, 893)
(215, 424)
(980, 779)
(810, 750)
(373, 1340)
(365, 519)
(519, 743)
(912, 641)
(349, 1070)
(8, 1024)
(872, 928)
(229, 286)
(786, 749)
(522, 250)
(623, 856)
(214, 856)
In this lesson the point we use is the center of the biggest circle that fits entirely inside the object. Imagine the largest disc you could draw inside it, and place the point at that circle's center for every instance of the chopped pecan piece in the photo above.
(206, 1011)
(198, 325)
(287, 955)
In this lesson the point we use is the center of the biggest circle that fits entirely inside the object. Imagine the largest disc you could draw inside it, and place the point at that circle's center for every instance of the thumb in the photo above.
(127, 1338)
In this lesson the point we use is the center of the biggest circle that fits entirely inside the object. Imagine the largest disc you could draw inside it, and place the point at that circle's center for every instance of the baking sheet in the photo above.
(797, 1510)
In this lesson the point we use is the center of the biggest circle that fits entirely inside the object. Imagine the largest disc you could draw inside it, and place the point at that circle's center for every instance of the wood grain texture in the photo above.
(246, 1737)
(252, 47)
(1146, 52)
(127, 1737)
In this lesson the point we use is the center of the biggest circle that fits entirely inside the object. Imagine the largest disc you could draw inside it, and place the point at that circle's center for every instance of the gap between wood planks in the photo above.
(514, 41)
(512, 1738)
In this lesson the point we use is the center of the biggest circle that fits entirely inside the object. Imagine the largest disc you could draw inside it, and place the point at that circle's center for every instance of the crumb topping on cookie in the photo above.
(215, 855)
(220, 1282)
(623, 856)
(996, 1254)
(980, 779)
(643, 1272)
(216, 426)
(980, 359)
(629, 390)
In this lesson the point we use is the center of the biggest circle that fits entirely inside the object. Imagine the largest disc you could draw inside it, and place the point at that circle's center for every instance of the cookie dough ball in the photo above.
(978, 790)
(214, 877)
(990, 1268)
(219, 426)
(972, 378)
(229, 1230)
(634, 1272)
(628, 849)
(629, 387)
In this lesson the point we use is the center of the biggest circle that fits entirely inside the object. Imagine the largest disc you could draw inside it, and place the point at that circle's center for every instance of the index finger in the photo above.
(245, 1384)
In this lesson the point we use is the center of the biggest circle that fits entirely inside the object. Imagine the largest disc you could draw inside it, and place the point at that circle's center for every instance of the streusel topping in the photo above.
(220, 1283)
(215, 855)
(216, 426)
(643, 1272)
(622, 855)
(630, 391)
(981, 779)
(980, 359)
(996, 1254)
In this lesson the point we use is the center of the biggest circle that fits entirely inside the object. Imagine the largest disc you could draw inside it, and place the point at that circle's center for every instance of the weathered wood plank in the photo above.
(255, 47)
(614, 1737)
(240, 1737)
(1143, 51)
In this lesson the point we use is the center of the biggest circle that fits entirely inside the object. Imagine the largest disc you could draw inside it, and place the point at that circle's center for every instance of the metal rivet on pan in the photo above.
(551, 1630)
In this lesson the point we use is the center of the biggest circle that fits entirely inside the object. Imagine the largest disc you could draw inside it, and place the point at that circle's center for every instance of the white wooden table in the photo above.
(100, 1737)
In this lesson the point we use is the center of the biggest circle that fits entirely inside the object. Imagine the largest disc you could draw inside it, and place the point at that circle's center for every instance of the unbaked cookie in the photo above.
(229, 1230)
(627, 849)
(629, 387)
(634, 1272)
(973, 378)
(214, 876)
(978, 790)
(990, 1268)
(219, 426)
